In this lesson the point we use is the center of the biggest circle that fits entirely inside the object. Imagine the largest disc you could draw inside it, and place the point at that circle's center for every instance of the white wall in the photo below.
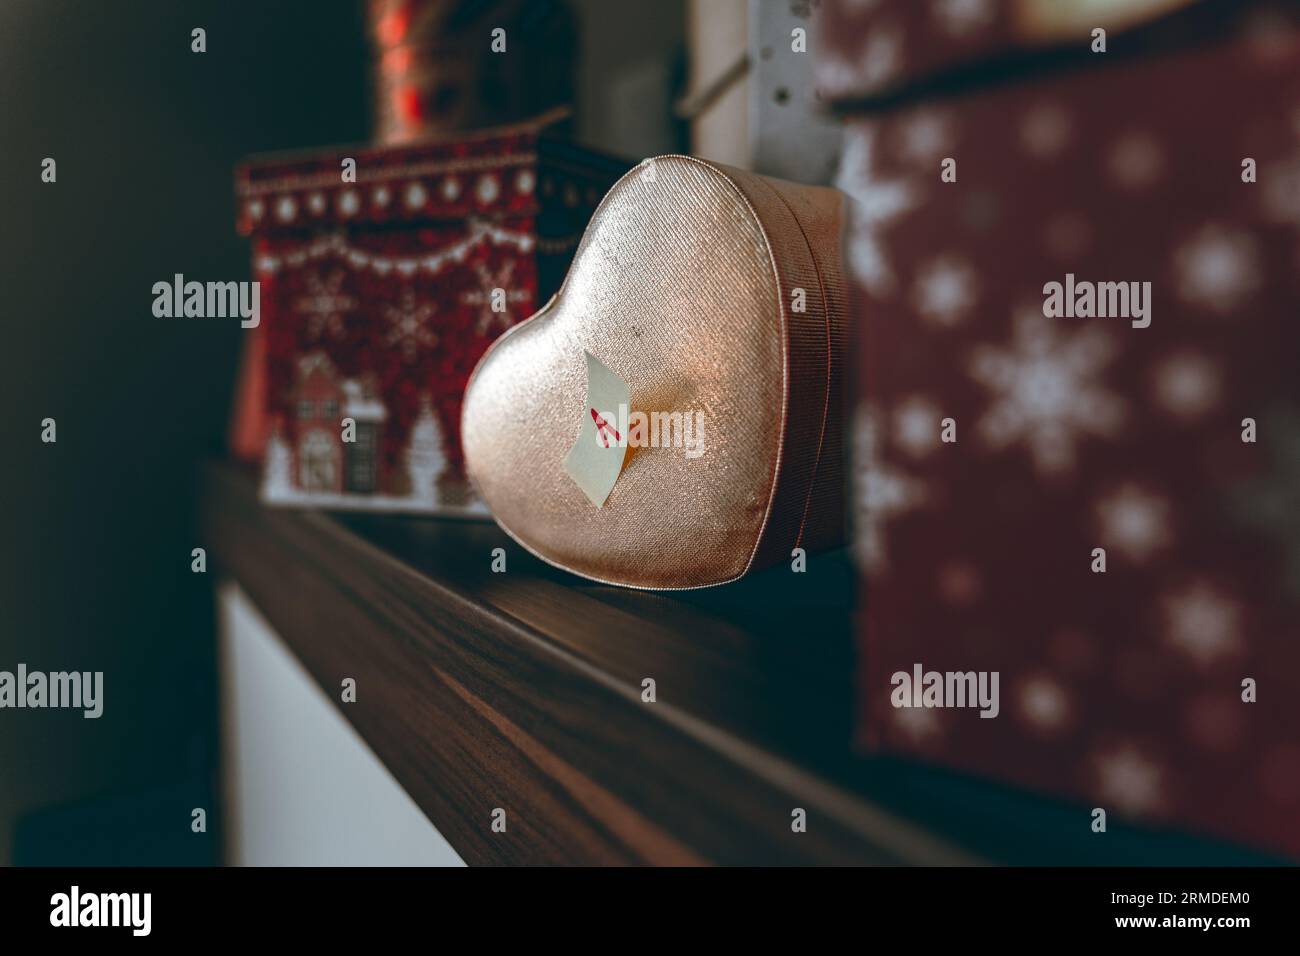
(302, 788)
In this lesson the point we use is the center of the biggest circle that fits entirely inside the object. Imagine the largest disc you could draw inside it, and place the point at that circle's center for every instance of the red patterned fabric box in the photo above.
(380, 294)
(1092, 491)
(878, 50)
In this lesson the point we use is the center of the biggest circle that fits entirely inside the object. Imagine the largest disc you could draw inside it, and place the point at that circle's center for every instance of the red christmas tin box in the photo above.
(385, 273)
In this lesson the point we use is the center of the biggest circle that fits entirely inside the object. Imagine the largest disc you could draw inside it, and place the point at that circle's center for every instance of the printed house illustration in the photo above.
(323, 461)
(394, 276)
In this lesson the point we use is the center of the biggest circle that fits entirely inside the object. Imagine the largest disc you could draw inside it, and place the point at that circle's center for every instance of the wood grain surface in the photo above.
(523, 691)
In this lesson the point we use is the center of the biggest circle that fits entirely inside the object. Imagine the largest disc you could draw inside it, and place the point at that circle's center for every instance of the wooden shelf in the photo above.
(523, 691)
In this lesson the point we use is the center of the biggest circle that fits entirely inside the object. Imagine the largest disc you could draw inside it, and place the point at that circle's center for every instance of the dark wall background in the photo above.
(95, 567)
(99, 527)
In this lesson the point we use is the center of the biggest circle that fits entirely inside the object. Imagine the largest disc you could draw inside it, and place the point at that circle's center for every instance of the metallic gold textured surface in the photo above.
(682, 285)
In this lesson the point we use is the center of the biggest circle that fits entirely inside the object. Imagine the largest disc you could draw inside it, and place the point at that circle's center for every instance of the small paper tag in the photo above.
(596, 458)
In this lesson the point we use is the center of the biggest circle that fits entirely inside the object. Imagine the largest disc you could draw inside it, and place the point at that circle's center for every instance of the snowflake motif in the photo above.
(1269, 36)
(1129, 780)
(1271, 503)
(1046, 393)
(917, 724)
(481, 298)
(1134, 522)
(1281, 193)
(1217, 269)
(1136, 161)
(881, 493)
(409, 328)
(1045, 130)
(1279, 184)
(1044, 705)
(1202, 622)
(924, 137)
(881, 59)
(324, 305)
(916, 426)
(960, 17)
(1187, 385)
(876, 203)
(944, 291)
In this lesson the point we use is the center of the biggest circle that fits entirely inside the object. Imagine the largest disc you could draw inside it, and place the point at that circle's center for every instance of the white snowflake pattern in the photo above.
(1269, 36)
(1279, 187)
(1202, 622)
(917, 724)
(880, 60)
(481, 298)
(876, 204)
(1046, 391)
(1217, 269)
(1187, 384)
(1134, 522)
(916, 426)
(1136, 161)
(409, 328)
(881, 493)
(960, 17)
(924, 137)
(1045, 130)
(1129, 780)
(1044, 704)
(325, 305)
(944, 290)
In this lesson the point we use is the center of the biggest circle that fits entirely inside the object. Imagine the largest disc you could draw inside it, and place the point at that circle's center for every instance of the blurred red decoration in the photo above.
(436, 70)
(1162, 689)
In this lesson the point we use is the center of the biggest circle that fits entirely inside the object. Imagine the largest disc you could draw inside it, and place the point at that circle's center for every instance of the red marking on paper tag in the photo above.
(603, 427)
(595, 462)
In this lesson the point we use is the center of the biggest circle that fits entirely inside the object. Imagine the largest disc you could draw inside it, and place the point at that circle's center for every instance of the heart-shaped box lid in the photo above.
(715, 294)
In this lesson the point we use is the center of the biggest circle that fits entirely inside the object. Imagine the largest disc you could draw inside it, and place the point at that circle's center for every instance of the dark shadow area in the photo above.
(97, 554)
